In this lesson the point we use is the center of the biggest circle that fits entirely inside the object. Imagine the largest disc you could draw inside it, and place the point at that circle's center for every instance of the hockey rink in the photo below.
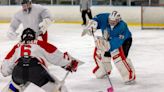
(146, 53)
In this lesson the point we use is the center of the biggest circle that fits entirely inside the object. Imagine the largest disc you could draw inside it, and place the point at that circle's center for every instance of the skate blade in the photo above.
(131, 82)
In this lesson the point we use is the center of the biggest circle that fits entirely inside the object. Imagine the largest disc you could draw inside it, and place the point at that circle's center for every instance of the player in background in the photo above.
(27, 62)
(116, 42)
(32, 16)
(85, 8)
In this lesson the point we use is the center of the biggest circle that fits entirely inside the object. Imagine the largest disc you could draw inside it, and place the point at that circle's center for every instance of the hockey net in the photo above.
(152, 17)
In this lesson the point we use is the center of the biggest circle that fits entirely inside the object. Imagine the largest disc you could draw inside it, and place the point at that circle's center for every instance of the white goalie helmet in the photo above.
(115, 16)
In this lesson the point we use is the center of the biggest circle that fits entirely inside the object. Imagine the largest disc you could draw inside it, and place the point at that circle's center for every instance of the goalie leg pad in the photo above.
(103, 68)
(123, 65)
(96, 55)
(103, 65)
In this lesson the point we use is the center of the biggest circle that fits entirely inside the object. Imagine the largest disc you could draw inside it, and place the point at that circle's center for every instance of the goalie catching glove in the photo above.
(91, 26)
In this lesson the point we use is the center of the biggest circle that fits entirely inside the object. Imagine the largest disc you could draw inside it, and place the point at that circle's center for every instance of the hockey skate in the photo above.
(130, 82)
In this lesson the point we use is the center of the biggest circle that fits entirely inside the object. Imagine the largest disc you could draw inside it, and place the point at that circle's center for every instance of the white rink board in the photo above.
(73, 14)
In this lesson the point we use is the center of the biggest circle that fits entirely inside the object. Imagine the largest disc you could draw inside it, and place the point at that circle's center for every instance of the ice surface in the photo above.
(147, 54)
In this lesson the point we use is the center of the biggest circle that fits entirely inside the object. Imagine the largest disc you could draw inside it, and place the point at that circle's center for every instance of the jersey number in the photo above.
(25, 50)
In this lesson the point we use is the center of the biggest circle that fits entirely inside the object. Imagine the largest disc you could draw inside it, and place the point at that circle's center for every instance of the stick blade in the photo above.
(110, 89)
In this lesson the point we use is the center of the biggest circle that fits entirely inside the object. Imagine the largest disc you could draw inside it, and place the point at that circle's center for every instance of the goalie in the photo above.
(115, 44)
(27, 62)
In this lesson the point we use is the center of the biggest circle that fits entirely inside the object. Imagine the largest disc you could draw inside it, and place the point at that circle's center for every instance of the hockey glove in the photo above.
(107, 54)
(72, 67)
(12, 34)
(91, 26)
(6, 68)
(43, 26)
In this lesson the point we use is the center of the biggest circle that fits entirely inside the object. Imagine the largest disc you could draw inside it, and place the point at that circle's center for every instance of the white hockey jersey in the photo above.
(32, 19)
(42, 50)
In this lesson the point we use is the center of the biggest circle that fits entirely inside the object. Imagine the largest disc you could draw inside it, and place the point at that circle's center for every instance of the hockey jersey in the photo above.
(85, 4)
(120, 29)
(32, 19)
(43, 51)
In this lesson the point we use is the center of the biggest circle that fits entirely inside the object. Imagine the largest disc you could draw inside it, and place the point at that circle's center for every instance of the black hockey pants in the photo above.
(30, 70)
(126, 46)
(84, 12)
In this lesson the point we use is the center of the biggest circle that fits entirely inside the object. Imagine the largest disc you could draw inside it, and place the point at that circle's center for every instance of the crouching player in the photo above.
(115, 43)
(27, 62)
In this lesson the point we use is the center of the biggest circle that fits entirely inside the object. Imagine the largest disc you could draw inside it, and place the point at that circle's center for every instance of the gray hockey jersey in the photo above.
(85, 4)
(32, 19)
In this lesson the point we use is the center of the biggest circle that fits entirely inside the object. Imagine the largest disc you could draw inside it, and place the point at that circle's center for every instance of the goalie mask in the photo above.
(28, 35)
(114, 18)
(26, 5)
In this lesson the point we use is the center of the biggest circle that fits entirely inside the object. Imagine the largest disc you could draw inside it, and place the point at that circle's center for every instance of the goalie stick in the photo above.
(109, 89)
(58, 89)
